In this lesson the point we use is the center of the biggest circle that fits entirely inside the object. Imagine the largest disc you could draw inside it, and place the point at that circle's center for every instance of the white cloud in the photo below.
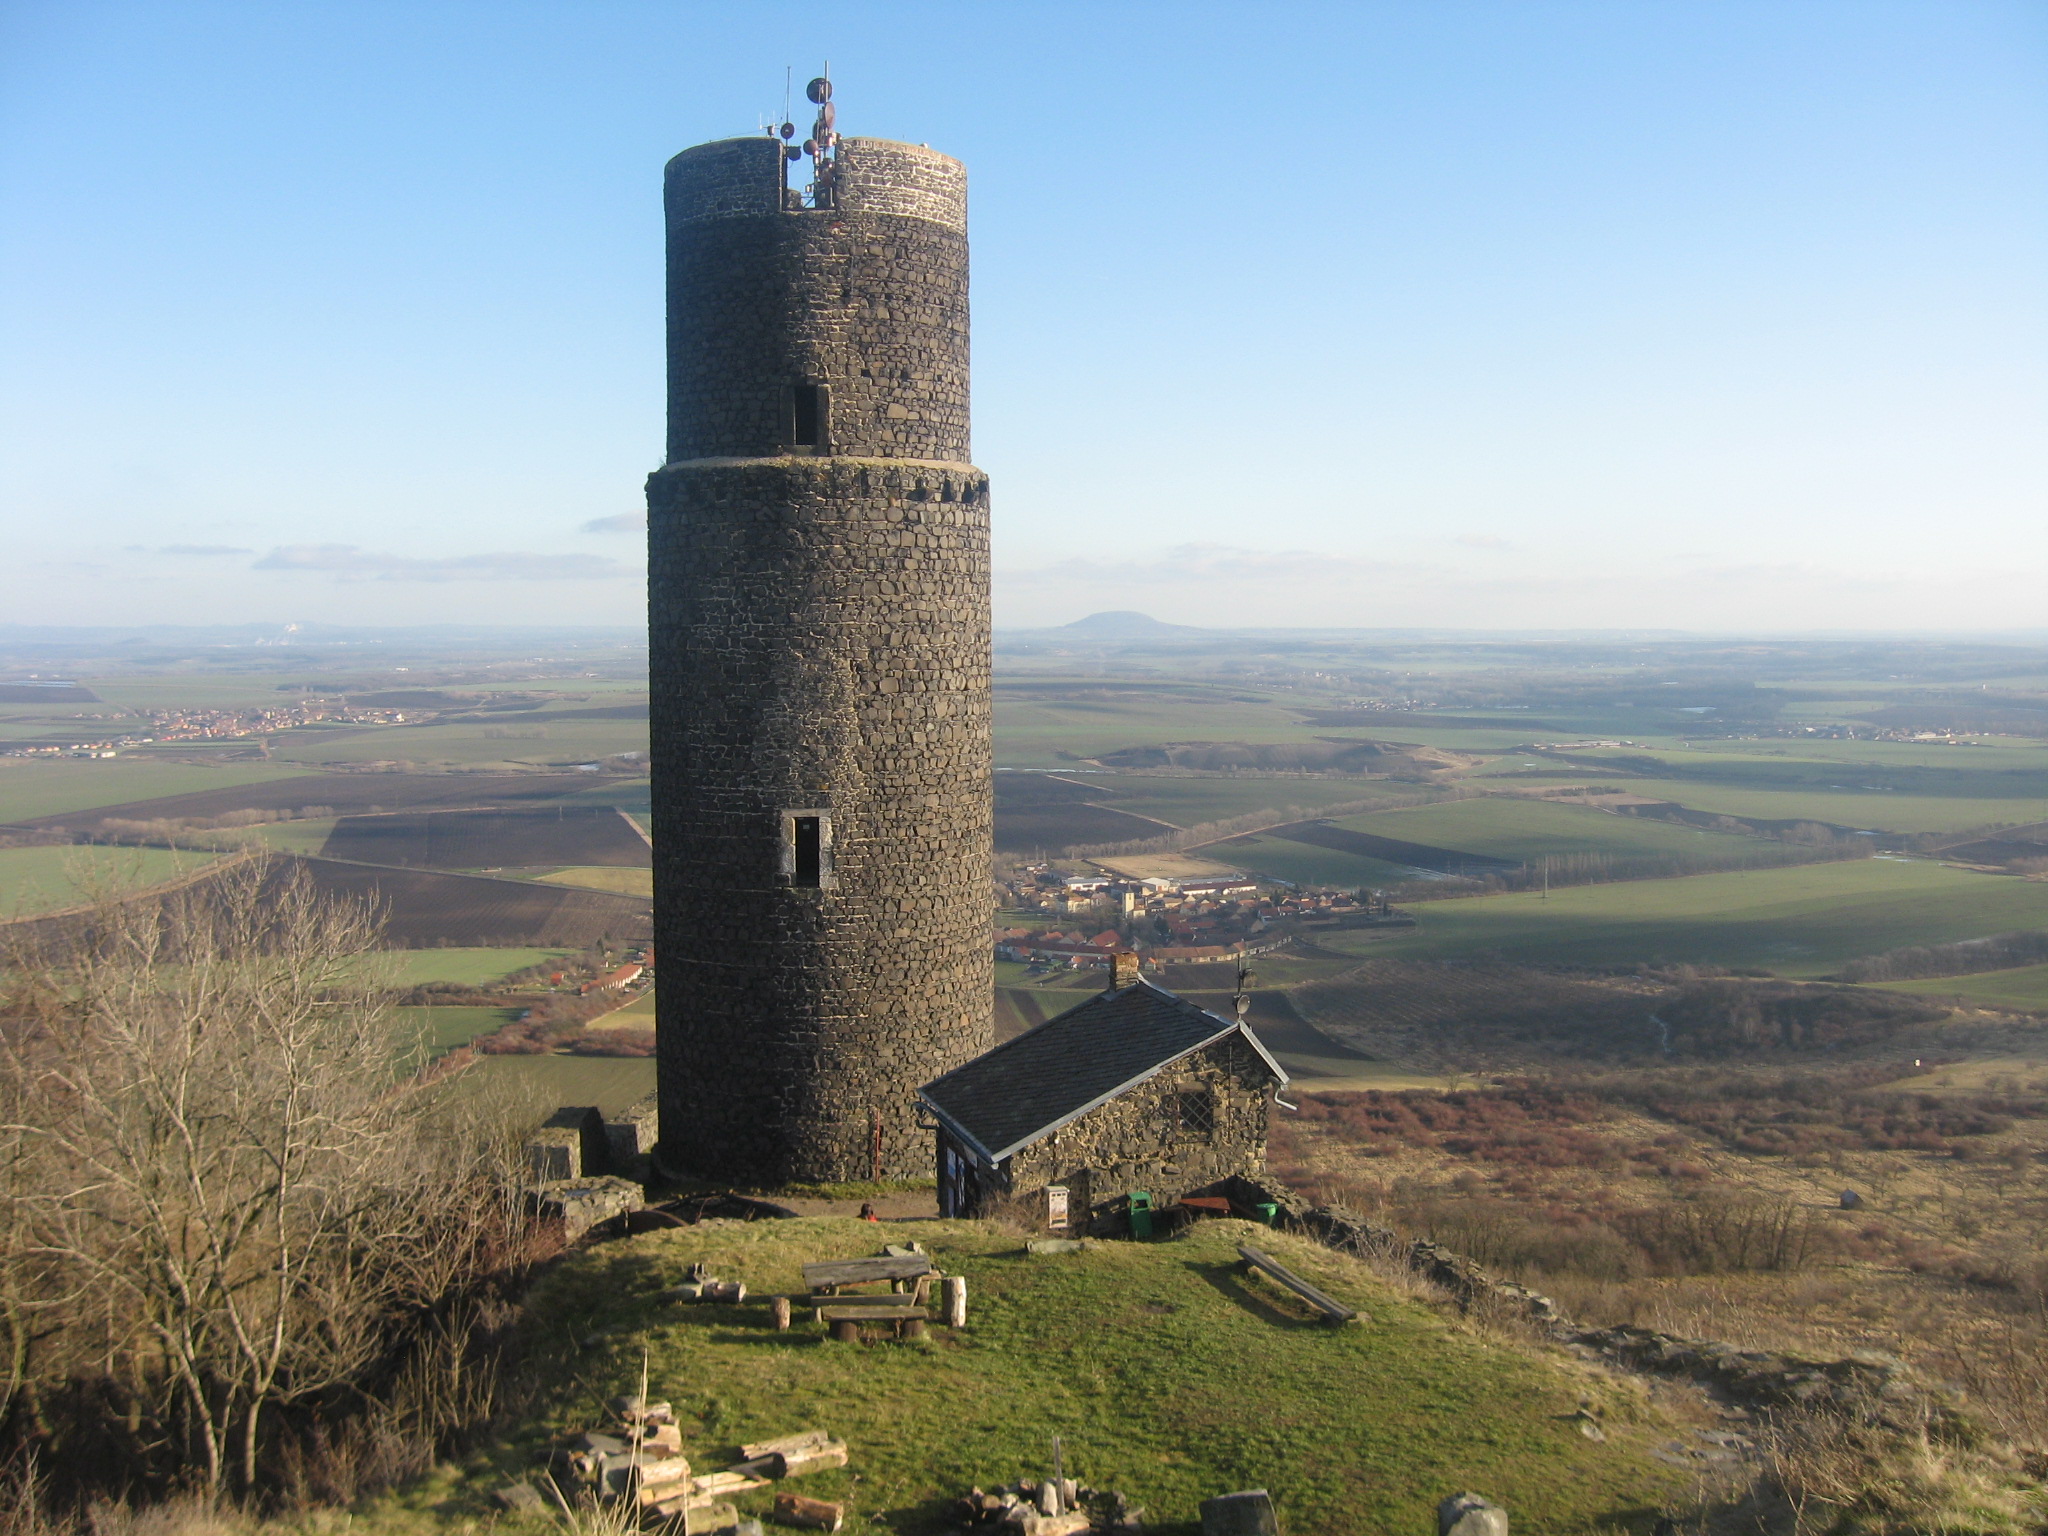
(618, 522)
(347, 562)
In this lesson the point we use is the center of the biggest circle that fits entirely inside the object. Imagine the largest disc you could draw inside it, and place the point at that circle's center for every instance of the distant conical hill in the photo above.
(1122, 624)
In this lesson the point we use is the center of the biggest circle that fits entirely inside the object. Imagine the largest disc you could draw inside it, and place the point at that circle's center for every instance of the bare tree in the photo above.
(210, 1178)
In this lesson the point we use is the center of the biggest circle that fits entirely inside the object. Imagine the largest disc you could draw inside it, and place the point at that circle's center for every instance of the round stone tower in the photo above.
(819, 633)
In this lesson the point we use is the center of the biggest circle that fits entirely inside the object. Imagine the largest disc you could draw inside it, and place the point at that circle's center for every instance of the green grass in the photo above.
(432, 1032)
(1802, 921)
(1303, 863)
(1526, 830)
(1190, 802)
(49, 879)
(30, 787)
(2023, 987)
(612, 1083)
(295, 836)
(1032, 733)
(1880, 810)
(1165, 1372)
(594, 877)
(472, 967)
(533, 742)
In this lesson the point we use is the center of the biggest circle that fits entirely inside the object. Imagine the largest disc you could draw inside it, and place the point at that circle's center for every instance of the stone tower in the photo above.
(819, 633)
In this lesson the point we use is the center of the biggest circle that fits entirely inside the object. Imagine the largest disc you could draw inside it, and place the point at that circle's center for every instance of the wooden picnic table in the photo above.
(828, 1277)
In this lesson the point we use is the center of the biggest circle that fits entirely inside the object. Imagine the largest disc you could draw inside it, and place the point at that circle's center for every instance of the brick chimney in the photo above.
(1123, 970)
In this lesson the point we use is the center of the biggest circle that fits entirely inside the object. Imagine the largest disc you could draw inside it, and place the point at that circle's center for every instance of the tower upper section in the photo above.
(799, 331)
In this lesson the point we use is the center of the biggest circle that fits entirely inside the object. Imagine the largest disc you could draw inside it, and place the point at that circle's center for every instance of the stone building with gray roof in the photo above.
(1134, 1090)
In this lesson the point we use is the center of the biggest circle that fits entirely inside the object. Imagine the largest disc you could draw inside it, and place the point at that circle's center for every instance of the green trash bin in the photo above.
(1268, 1212)
(1141, 1213)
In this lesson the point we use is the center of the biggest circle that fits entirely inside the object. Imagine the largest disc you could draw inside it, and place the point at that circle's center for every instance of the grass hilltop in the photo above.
(1167, 1373)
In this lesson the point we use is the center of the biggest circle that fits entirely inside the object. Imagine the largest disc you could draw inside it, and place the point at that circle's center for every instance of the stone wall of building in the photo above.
(819, 633)
(1136, 1141)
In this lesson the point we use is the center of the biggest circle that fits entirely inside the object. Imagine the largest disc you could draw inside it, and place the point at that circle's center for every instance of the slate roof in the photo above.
(1029, 1087)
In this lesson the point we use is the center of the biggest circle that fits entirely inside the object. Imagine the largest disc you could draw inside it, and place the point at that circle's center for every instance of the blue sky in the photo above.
(1713, 315)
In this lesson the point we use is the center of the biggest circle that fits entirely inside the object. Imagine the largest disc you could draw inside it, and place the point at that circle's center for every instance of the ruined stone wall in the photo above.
(1134, 1142)
(819, 630)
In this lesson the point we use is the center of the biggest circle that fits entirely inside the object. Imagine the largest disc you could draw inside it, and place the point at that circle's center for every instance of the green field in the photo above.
(471, 967)
(612, 1083)
(597, 877)
(517, 741)
(295, 836)
(425, 1033)
(1504, 827)
(1188, 802)
(1277, 858)
(1877, 810)
(1033, 733)
(32, 787)
(2023, 987)
(49, 879)
(1802, 921)
(1165, 1372)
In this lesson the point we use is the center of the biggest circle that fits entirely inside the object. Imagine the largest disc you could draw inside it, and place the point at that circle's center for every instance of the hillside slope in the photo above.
(1167, 1374)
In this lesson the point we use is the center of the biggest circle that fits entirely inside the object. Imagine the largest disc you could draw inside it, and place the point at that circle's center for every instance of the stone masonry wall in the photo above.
(819, 633)
(1134, 1142)
(868, 300)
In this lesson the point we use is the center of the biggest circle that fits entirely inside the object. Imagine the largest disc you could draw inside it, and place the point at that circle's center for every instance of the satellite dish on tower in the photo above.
(819, 90)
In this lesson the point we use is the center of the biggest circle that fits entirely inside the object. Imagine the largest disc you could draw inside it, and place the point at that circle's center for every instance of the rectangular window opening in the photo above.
(807, 416)
(807, 849)
(1195, 1113)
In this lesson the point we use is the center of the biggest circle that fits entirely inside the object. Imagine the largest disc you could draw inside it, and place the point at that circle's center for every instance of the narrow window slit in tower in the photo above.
(807, 416)
(807, 849)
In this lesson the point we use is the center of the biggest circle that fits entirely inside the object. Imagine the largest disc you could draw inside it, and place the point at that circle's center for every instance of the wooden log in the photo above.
(846, 1330)
(875, 1299)
(811, 1514)
(783, 1445)
(955, 1301)
(662, 1440)
(911, 1328)
(1333, 1311)
(719, 1485)
(663, 1470)
(727, 1292)
(778, 1313)
(819, 1458)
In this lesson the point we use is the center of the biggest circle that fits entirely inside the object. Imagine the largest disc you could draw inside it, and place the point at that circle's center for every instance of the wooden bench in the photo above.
(919, 1295)
(1332, 1311)
(827, 1278)
(845, 1321)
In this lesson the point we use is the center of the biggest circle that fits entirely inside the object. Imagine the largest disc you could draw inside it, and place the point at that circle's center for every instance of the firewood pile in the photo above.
(1046, 1507)
(643, 1464)
(698, 1285)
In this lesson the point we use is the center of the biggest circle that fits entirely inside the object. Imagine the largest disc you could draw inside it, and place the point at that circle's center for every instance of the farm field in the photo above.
(34, 880)
(295, 836)
(1188, 1379)
(520, 739)
(1048, 725)
(2024, 987)
(31, 789)
(1524, 831)
(470, 967)
(524, 837)
(1279, 858)
(1189, 802)
(1801, 921)
(1876, 810)
(425, 909)
(336, 793)
(626, 882)
(425, 1034)
(612, 1083)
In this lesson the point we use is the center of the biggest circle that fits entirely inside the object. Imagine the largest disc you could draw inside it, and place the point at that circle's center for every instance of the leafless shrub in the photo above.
(220, 1211)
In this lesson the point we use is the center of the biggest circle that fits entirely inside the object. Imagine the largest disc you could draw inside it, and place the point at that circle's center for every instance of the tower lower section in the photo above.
(819, 636)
